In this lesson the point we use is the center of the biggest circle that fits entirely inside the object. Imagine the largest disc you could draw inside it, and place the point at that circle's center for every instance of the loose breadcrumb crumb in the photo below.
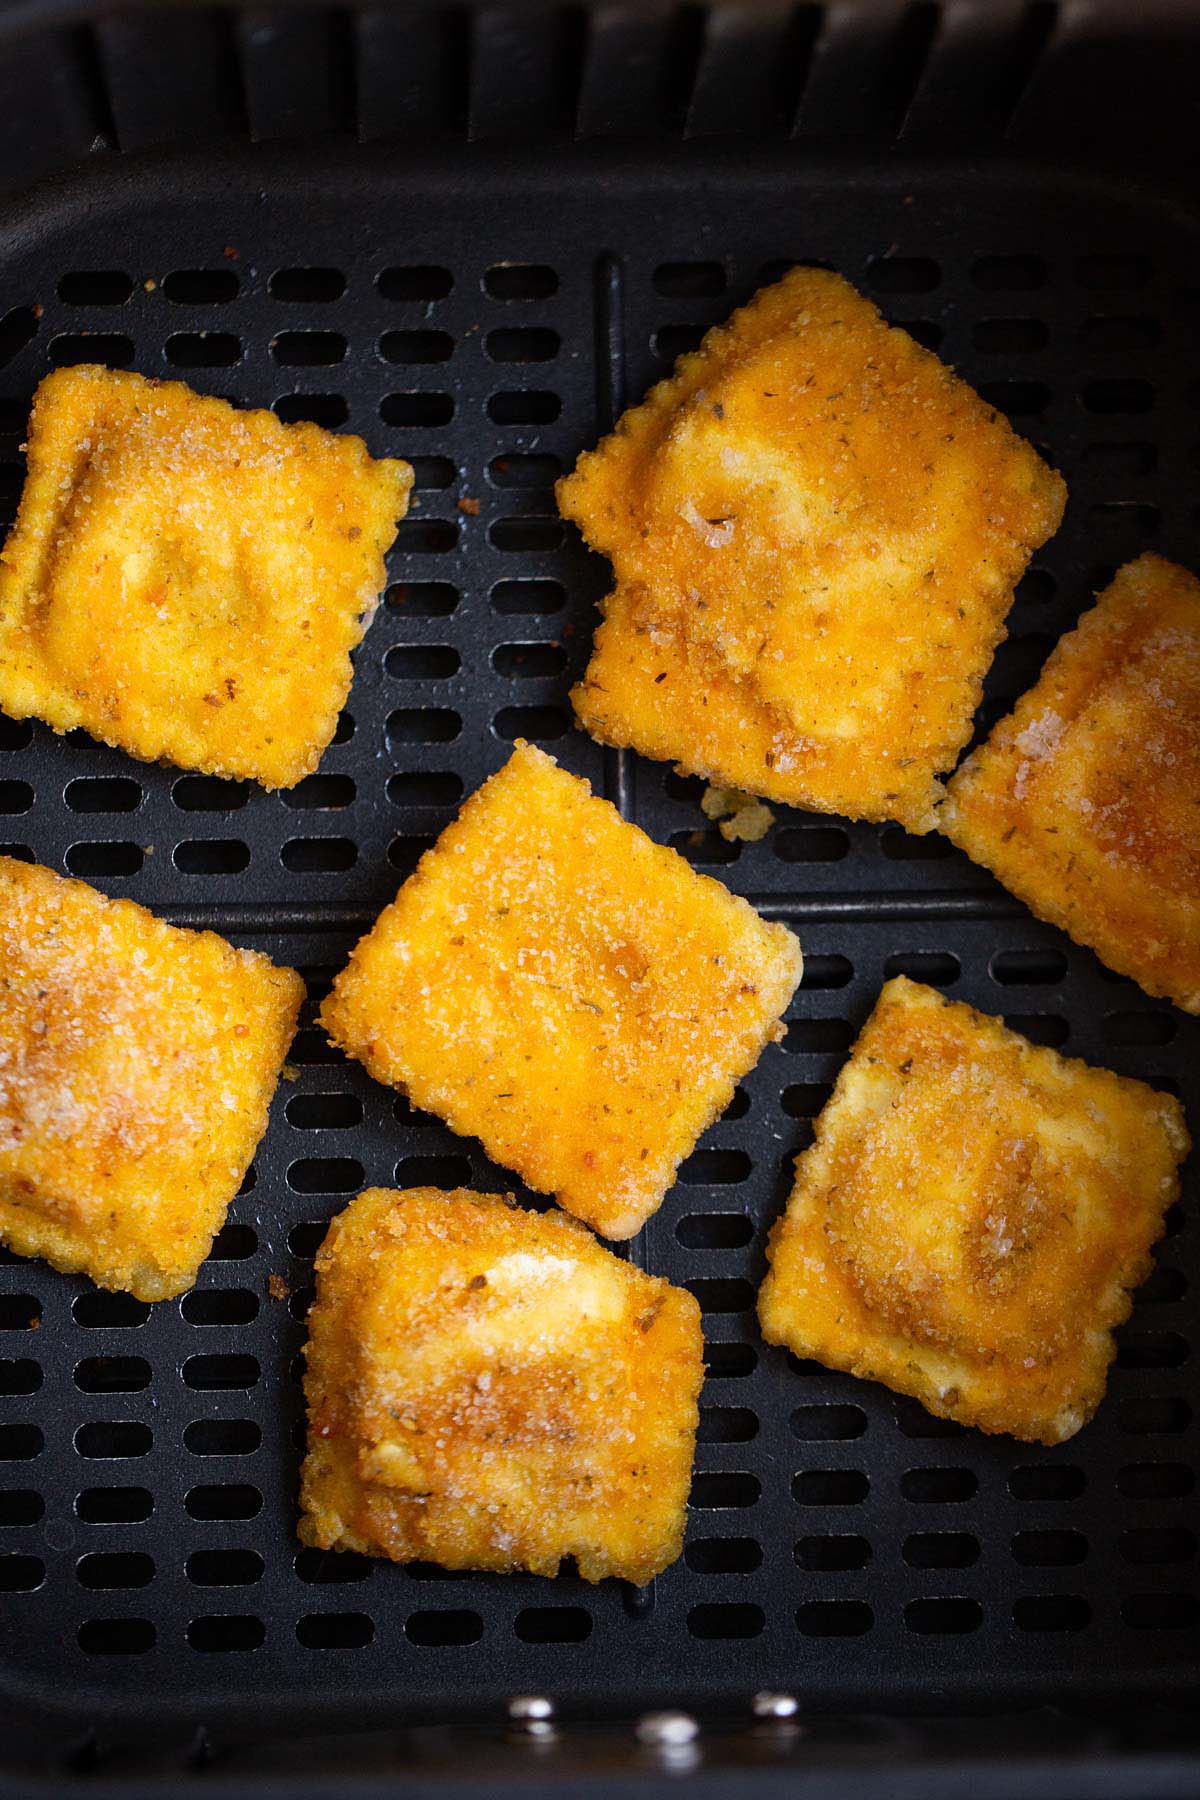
(740, 816)
(488, 1388)
(137, 1065)
(971, 1218)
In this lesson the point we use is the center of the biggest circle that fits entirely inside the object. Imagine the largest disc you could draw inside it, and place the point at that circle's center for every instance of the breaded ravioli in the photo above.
(489, 1388)
(137, 1065)
(646, 688)
(971, 1218)
(552, 982)
(840, 521)
(1085, 801)
(187, 581)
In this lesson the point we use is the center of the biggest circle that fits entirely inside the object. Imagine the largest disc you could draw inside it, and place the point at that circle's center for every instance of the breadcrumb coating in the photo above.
(647, 689)
(741, 818)
(552, 982)
(185, 580)
(1085, 801)
(971, 1218)
(488, 1388)
(839, 521)
(137, 1065)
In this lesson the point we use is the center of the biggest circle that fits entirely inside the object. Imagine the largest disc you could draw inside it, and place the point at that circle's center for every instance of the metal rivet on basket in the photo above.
(532, 1713)
(775, 1708)
(200, 1753)
(667, 1730)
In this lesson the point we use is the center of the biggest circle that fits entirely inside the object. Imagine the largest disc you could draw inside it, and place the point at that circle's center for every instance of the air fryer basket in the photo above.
(472, 235)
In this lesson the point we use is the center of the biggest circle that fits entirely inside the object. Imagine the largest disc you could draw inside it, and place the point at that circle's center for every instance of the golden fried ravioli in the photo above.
(1085, 801)
(971, 1217)
(646, 688)
(834, 516)
(552, 982)
(137, 1064)
(187, 581)
(488, 1388)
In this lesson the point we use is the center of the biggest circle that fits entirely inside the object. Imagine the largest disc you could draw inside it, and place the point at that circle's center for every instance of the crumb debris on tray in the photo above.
(740, 817)
(1085, 800)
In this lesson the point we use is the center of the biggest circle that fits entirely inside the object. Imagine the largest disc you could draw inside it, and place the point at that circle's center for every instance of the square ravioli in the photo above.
(839, 521)
(646, 688)
(552, 982)
(489, 1388)
(137, 1065)
(1085, 801)
(187, 581)
(971, 1218)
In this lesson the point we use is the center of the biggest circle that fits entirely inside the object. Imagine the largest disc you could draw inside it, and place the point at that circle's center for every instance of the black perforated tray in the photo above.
(485, 317)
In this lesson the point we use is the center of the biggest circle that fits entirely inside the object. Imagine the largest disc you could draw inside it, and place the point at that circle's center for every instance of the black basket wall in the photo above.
(472, 234)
